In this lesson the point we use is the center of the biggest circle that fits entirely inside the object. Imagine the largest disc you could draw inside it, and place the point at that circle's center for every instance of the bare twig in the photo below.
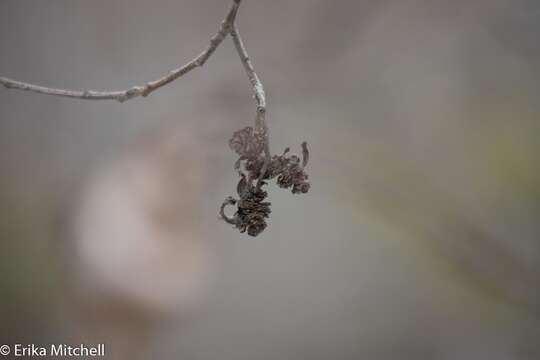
(135, 91)
(260, 98)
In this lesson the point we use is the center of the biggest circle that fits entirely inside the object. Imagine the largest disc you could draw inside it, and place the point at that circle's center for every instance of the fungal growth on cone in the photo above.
(251, 209)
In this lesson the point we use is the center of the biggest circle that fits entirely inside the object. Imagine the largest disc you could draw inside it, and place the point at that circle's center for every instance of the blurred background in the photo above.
(419, 238)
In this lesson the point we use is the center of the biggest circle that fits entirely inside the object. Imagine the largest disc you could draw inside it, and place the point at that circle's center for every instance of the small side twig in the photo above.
(135, 91)
(260, 98)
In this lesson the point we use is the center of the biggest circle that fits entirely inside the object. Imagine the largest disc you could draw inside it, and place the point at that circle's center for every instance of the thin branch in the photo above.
(252, 75)
(260, 97)
(135, 91)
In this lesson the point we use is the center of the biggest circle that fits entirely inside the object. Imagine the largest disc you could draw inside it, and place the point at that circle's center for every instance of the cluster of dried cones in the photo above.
(252, 211)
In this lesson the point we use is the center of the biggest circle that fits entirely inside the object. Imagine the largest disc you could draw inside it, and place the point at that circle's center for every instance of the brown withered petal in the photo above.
(247, 143)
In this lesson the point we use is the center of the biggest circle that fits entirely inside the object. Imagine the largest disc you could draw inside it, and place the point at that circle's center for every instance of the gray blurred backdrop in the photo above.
(418, 240)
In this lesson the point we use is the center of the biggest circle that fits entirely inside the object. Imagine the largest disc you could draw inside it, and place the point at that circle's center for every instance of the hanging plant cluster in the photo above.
(255, 170)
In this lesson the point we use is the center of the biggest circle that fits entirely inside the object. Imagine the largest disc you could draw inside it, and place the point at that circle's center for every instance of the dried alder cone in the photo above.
(252, 211)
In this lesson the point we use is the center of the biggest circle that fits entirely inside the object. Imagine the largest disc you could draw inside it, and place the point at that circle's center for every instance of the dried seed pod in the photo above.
(252, 211)
(290, 173)
(252, 216)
